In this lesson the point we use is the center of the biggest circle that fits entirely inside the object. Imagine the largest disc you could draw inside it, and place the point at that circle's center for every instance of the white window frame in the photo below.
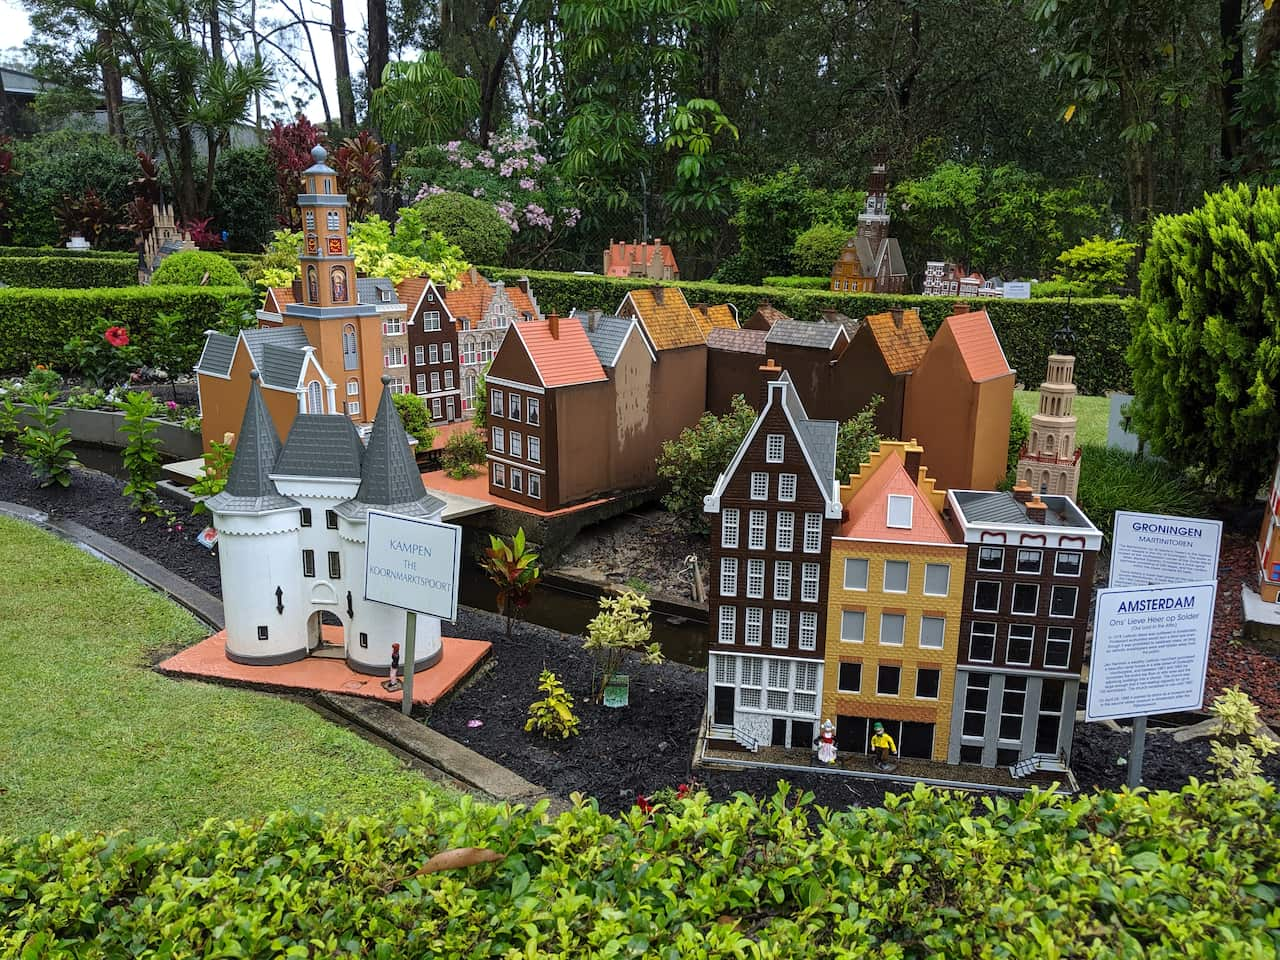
(755, 579)
(1037, 555)
(435, 382)
(851, 663)
(753, 627)
(446, 352)
(495, 403)
(728, 576)
(498, 438)
(513, 406)
(810, 574)
(984, 563)
(784, 531)
(759, 485)
(782, 579)
(787, 487)
(533, 411)
(534, 449)
(775, 447)
(395, 357)
(420, 383)
(353, 388)
(999, 595)
(499, 474)
(813, 533)
(517, 480)
(419, 355)
(1051, 641)
(1057, 563)
(973, 632)
(431, 320)
(942, 632)
(891, 666)
(902, 634)
(729, 527)
(533, 485)
(1075, 605)
(433, 352)
(1025, 631)
(780, 635)
(938, 693)
(448, 379)
(515, 444)
(756, 535)
(866, 572)
(728, 624)
(898, 511)
(808, 630)
(1013, 599)
(844, 622)
(906, 575)
(946, 569)
(435, 408)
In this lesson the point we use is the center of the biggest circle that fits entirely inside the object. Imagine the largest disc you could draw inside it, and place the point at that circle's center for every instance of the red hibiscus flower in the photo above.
(643, 803)
(117, 336)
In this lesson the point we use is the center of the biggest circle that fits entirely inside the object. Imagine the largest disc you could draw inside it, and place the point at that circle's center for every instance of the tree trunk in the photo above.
(379, 55)
(112, 86)
(215, 31)
(1230, 13)
(342, 65)
(186, 186)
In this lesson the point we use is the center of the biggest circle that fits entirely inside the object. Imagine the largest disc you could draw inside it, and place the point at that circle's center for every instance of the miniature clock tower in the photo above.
(328, 269)
(1050, 460)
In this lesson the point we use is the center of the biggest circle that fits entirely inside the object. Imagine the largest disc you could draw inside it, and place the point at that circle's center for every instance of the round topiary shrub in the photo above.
(187, 269)
(472, 224)
(816, 250)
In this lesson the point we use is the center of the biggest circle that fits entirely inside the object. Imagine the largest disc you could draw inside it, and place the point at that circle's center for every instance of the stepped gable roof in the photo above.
(609, 335)
(716, 316)
(521, 300)
(376, 290)
(667, 317)
(389, 475)
(869, 509)
(218, 354)
(979, 346)
(560, 361)
(803, 333)
(321, 445)
(902, 345)
(249, 487)
(737, 341)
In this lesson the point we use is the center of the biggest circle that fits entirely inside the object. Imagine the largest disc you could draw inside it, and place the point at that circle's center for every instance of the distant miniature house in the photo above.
(164, 239)
(894, 608)
(959, 402)
(871, 261)
(292, 527)
(764, 317)
(946, 279)
(654, 261)
(1049, 461)
(882, 357)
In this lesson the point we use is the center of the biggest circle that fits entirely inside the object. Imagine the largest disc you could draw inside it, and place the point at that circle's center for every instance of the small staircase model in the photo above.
(746, 740)
(1038, 763)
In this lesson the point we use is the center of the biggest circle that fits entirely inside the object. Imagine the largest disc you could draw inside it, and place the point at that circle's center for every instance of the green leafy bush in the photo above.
(1019, 430)
(463, 451)
(856, 438)
(36, 325)
(816, 250)
(416, 418)
(1025, 327)
(45, 446)
(141, 453)
(692, 461)
(930, 874)
(513, 567)
(1098, 263)
(28, 251)
(1060, 288)
(245, 198)
(188, 267)
(472, 224)
(213, 478)
(622, 626)
(799, 283)
(552, 716)
(105, 355)
(1112, 479)
(72, 272)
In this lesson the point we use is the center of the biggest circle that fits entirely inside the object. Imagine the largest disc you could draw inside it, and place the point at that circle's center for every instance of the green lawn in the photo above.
(92, 739)
(1092, 413)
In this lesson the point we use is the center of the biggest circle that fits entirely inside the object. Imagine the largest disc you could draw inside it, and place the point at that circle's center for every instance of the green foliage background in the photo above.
(69, 272)
(245, 198)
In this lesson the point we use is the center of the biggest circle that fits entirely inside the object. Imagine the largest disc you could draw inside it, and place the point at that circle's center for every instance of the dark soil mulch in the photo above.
(647, 544)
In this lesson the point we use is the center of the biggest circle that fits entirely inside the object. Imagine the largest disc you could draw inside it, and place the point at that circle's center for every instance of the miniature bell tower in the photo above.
(328, 269)
(1050, 460)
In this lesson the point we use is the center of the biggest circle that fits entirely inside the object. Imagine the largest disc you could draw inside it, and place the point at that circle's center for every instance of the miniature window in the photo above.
(495, 399)
(448, 379)
(1021, 638)
(937, 579)
(784, 525)
(447, 353)
(812, 532)
(975, 707)
(850, 680)
(752, 680)
(394, 357)
(927, 683)
(728, 624)
(330, 218)
(729, 528)
(418, 355)
(435, 408)
(982, 642)
(1050, 719)
(335, 565)
(353, 388)
(774, 447)
(364, 641)
(263, 633)
(315, 397)
(435, 383)
(535, 450)
(900, 512)
(759, 486)
(352, 407)
(932, 630)
(308, 563)
(331, 520)
(809, 582)
(782, 580)
(515, 444)
(853, 626)
(892, 628)
(855, 573)
(779, 684)
(433, 351)
(1062, 602)
(420, 383)
(755, 624)
(755, 578)
(888, 680)
(391, 328)
(533, 411)
(807, 677)
(305, 516)
(1057, 647)
(468, 348)
(1067, 563)
(787, 487)
(895, 576)
(986, 596)
(756, 535)
(1012, 706)
(431, 320)
(517, 480)
(535, 486)
(499, 475)
(498, 437)
(513, 406)
(991, 559)
(1026, 598)
(310, 220)
(728, 576)
(450, 407)
(781, 628)
(808, 631)
(1029, 561)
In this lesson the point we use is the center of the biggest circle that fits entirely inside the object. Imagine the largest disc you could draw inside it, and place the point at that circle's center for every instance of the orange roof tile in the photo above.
(283, 296)
(669, 323)
(471, 298)
(564, 360)
(410, 291)
(902, 346)
(869, 509)
(622, 255)
(521, 301)
(978, 345)
(715, 315)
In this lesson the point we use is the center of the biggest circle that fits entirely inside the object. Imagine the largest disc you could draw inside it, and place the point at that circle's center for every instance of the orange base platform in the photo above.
(207, 660)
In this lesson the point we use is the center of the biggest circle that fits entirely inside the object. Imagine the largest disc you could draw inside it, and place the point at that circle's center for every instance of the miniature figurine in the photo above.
(882, 745)
(392, 682)
(826, 742)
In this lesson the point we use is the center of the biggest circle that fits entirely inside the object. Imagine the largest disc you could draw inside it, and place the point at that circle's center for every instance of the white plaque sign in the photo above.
(413, 564)
(1149, 549)
(1017, 290)
(1150, 650)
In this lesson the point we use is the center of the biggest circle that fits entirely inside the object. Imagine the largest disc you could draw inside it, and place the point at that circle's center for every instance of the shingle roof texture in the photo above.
(321, 445)
(737, 341)
(818, 437)
(669, 321)
(716, 316)
(564, 360)
(1001, 507)
(369, 290)
(802, 333)
(976, 339)
(901, 346)
(281, 366)
(389, 476)
(249, 488)
(607, 338)
(770, 314)
(218, 354)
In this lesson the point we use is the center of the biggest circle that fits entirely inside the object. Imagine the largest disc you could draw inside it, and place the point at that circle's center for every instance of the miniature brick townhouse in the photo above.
(959, 401)
(1027, 583)
(656, 260)
(894, 608)
(871, 261)
(772, 515)
(1050, 460)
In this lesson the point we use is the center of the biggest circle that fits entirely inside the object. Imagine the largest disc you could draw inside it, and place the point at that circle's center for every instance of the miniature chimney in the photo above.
(593, 319)
(1036, 510)
(959, 307)
(769, 371)
(297, 289)
(1022, 493)
(523, 284)
(896, 313)
(475, 275)
(553, 326)
(658, 294)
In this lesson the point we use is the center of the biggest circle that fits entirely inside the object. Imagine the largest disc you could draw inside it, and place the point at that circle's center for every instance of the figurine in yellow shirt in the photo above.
(882, 745)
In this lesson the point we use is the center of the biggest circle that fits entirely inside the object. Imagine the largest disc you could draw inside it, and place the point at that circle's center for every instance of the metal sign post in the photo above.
(1137, 747)
(410, 634)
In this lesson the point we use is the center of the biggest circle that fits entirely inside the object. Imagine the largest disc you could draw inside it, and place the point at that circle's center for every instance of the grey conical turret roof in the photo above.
(389, 475)
(250, 488)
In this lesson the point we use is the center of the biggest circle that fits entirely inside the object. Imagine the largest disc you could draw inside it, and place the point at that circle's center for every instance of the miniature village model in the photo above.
(871, 261)
(1050, 460)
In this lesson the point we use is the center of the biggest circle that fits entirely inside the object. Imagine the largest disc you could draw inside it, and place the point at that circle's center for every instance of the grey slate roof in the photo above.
(897, 265)
(818, 437)
(250, 488)
(608, 336)
(369, 290)
(802, 333)
(281, 366)
(1000, 506)
(389, 476)
(218, 354)
(321, 445)
(737, 341)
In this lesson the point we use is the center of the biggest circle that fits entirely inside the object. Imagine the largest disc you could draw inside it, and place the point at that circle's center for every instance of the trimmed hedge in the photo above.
(798, 283)
(1025, 327)
(69, 272)
(65, 252)
(927, 875)
(35, 325)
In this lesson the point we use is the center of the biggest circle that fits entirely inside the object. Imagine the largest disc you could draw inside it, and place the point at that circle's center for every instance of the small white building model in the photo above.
(292, 524)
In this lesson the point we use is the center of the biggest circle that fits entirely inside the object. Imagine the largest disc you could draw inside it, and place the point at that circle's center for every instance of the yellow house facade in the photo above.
(893, 614)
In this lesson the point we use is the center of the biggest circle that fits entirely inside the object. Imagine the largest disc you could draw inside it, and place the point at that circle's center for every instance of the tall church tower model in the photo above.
(1050, 460)
(873, 222)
